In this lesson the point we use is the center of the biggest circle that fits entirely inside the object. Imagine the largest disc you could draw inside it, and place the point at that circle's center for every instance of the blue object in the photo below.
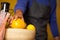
(21, 4)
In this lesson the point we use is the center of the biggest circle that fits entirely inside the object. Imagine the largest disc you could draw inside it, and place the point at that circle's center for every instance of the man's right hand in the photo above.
(57, 38)
(18, 14)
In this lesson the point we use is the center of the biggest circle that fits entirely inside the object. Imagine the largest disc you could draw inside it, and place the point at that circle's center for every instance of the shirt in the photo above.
(21, 4)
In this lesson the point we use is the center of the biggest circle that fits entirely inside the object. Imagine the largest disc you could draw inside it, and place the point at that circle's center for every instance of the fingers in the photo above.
(7, 16)
(5, 20)
(14, 17)
(22, 18)
(9, 20)
(2, 26)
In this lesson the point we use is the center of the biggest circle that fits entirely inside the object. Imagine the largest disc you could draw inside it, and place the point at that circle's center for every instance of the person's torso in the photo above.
(44, 2)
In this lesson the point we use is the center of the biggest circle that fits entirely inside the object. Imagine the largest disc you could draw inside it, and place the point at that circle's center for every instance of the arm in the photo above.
(2, 27)
(53, 21)
(21, 5)
(20, 8)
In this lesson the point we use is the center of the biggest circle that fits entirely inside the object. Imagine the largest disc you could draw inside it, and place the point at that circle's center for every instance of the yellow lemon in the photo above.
(30, 27)
(18, 23)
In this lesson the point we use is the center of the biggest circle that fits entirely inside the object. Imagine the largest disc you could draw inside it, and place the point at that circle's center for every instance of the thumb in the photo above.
(22, 18)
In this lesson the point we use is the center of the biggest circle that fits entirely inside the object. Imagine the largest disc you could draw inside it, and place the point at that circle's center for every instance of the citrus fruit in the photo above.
(18, 23)
(30, 27)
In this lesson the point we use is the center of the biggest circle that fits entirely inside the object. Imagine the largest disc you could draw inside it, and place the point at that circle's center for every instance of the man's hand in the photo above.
(18, 14)
(56, 38)
(2, 27)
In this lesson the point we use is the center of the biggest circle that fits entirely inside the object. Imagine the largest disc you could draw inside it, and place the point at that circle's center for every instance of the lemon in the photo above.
(30, 27)
(18, 23)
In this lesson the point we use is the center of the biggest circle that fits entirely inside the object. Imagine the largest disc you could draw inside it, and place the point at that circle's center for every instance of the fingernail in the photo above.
(8, 13)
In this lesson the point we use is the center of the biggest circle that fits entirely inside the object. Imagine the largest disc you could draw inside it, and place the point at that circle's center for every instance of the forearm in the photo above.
(53, 26)
(2, 33)
(54, 29)
(2, 27)
(53, 20)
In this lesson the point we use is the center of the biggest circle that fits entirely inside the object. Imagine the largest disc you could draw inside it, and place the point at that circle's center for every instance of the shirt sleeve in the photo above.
(53, 21)
(21, 5)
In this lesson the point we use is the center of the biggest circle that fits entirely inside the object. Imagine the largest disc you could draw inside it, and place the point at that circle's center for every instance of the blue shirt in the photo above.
(21, 4)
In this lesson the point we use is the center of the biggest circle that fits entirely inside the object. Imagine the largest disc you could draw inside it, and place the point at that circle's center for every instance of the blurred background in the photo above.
(50, 37)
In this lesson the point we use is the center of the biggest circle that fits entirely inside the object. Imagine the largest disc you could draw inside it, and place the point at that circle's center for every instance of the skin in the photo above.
(2, 27)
